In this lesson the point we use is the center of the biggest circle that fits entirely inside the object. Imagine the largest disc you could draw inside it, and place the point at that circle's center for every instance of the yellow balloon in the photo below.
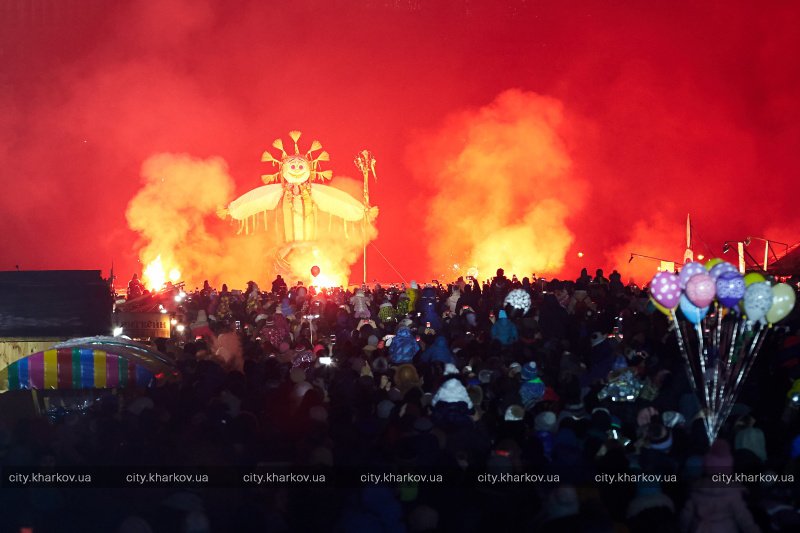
(660, 307)
(753, 277)
(713, 262)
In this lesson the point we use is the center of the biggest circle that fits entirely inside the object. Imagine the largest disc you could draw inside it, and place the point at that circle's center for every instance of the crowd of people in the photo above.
(426, 377)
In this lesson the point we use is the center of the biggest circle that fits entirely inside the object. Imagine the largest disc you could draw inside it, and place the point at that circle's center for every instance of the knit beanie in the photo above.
(529, 371)
(452, 391)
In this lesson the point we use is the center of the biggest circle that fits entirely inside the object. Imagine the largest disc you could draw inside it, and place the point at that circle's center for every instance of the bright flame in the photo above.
(154, 276)
(324, 281)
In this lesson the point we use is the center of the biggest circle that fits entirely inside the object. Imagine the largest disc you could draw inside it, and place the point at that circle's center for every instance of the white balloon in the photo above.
(757, 301)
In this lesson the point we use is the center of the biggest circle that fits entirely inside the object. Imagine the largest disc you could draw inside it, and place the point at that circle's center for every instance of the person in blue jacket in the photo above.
(504, 330)
(438, 351)
(403, 347)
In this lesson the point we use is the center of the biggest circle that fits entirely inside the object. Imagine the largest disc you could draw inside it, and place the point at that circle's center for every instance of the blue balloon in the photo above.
(730, 288)
(692, 313)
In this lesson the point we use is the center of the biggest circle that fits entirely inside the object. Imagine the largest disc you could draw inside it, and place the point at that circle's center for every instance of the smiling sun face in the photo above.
(296, 169)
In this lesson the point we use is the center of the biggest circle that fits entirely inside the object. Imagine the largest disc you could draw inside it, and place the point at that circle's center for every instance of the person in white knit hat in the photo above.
(452, 406)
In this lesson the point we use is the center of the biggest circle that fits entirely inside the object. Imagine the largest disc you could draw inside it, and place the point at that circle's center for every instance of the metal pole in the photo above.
(365, 162)
(364, 222)
(364, 247)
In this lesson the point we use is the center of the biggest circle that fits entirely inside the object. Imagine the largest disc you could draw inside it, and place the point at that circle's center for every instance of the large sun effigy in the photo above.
(293, 197)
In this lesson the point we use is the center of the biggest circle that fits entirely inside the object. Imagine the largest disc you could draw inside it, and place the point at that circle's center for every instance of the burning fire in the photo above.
(324, 281)
(180, 243)
(155, 275)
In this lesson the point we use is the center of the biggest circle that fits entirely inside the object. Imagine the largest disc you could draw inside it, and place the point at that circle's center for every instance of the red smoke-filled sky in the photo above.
(561, 126)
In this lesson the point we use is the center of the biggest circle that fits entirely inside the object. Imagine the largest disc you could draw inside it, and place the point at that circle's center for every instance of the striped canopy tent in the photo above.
(88, 363)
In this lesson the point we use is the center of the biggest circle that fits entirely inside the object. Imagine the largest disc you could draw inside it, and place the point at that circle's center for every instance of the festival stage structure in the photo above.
(293, 197)
(40, 308)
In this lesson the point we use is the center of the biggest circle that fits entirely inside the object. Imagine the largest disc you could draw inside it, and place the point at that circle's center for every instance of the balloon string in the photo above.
(755, 345)
(734, 369)
(682, 347)
(702, 355)
(718, 313)
(731, 333)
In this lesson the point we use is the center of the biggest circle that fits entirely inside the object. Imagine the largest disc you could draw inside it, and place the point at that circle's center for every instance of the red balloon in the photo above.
(315, 271)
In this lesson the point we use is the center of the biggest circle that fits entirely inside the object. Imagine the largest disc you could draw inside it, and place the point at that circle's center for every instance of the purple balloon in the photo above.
(730, 289)
(666, 290)
(700, 289)
(689, 270)
(721, 268)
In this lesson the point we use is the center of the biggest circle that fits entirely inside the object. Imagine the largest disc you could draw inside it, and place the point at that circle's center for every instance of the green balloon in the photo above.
(783, 298)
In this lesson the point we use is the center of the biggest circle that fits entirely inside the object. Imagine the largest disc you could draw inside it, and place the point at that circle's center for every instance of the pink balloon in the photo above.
(701, 289)
(666, 290)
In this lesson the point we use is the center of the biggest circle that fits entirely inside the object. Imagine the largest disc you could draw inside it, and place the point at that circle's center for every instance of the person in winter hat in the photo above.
(413, 296)
(532, 387)
(222, 306)
(713, 507)
(275, 331)
(253, 305)
(544, 426)
(452, 406)
(372, 344)
(200, 327)
(452, 300)
(427, 304)
(360, 304)
(386, 312)
(504, 330)
(404, 347)
(403, 306)
(286, 309)
(580, 303)
(437, 352)
(750, 438)
(303, 357)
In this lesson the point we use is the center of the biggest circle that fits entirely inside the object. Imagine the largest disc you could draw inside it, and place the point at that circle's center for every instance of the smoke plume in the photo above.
(502, 188)
(643, 114)
(174, 214)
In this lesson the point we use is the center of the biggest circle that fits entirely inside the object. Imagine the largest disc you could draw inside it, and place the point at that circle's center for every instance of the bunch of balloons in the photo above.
(724, 320)
(697, 287)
